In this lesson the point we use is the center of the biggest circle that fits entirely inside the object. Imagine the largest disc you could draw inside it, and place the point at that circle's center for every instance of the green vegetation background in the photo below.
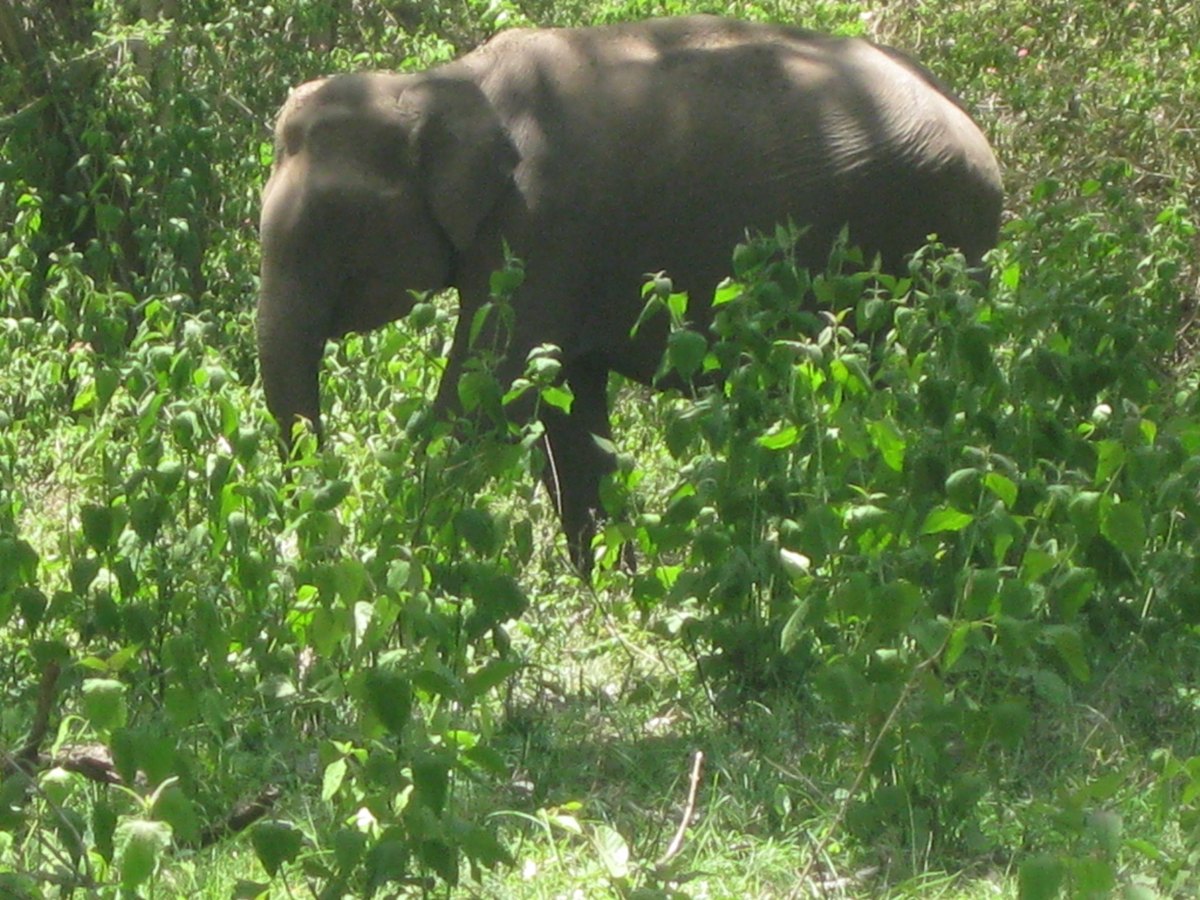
(934, 631)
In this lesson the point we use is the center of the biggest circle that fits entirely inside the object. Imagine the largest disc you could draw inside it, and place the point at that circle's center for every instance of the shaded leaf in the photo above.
(276, 843)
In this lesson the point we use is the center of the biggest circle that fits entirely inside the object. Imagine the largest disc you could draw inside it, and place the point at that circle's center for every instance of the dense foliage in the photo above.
(919, 576)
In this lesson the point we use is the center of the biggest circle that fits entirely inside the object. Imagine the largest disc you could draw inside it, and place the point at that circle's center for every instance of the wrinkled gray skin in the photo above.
(599, 155)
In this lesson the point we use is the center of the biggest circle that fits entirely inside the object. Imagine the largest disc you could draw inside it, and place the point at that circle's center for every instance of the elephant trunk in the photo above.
(291, 337)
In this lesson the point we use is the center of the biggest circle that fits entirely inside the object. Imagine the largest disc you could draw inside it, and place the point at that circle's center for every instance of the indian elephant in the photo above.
(597, 155)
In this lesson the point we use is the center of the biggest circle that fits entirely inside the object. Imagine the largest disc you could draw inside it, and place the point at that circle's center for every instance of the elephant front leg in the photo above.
(576, 463)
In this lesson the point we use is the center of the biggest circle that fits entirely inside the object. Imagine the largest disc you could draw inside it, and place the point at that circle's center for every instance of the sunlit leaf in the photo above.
(889, 441)
(612, 850)
(945, 519)
(140, 845)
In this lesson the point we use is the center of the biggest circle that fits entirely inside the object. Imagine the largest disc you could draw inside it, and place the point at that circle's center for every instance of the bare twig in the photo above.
(693, 786)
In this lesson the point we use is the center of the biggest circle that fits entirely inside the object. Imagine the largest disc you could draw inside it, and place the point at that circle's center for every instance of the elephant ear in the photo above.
(466, 156)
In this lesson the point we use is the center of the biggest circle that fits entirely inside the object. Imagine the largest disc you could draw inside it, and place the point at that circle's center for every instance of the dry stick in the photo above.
(694, 785)
(819, 850)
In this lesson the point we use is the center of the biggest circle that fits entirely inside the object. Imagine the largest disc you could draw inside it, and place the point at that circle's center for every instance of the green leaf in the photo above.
(146, 514)
(480, 391)
(18, 561)
(1040, 878)
(1091, 877)
(1106, 827)
(174, 807)
(483, 757)
(498, 597)
(104, 828)
(727, 291)
(387, 860)
(793, 628)
(479, 319)
(141, 844)
(186, 429)
(330, 495)
(250, 890)
(478, 528)
(505, 281)
(97, 526)
(276, 843)
(558, 396)
(780, 437)
(29, 600)
(686, 350)
(945, 519)
(1003, 487)
(1069, 643)
(1071, 590)
(124, 745)
(348, 847)
(1110, 456)
(1122, 523)
(482, 846)
(350, 577)
(104, 703)
(442, 858)
(889, 441)
(1138, 892)
(612, 850)
(956, 644)
(1084, 512)
(331, 782)
(797, 565)
(962, 488)
(431, 779)
(389, 696)
(492, 675)
(167, 476)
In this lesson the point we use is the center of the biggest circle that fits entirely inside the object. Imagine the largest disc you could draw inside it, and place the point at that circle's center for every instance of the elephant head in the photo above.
(380, 185)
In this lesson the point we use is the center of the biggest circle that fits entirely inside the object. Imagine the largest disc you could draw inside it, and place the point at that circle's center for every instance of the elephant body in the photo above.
(598, 155)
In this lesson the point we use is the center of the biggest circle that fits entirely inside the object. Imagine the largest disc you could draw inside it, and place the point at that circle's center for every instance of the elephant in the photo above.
(597, 155)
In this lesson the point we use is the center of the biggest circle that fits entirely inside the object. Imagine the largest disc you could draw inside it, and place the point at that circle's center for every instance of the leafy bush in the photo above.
(951, 526)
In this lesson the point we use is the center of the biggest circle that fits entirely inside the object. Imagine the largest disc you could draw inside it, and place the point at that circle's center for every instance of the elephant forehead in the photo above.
(358, 128)
(365, 97)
